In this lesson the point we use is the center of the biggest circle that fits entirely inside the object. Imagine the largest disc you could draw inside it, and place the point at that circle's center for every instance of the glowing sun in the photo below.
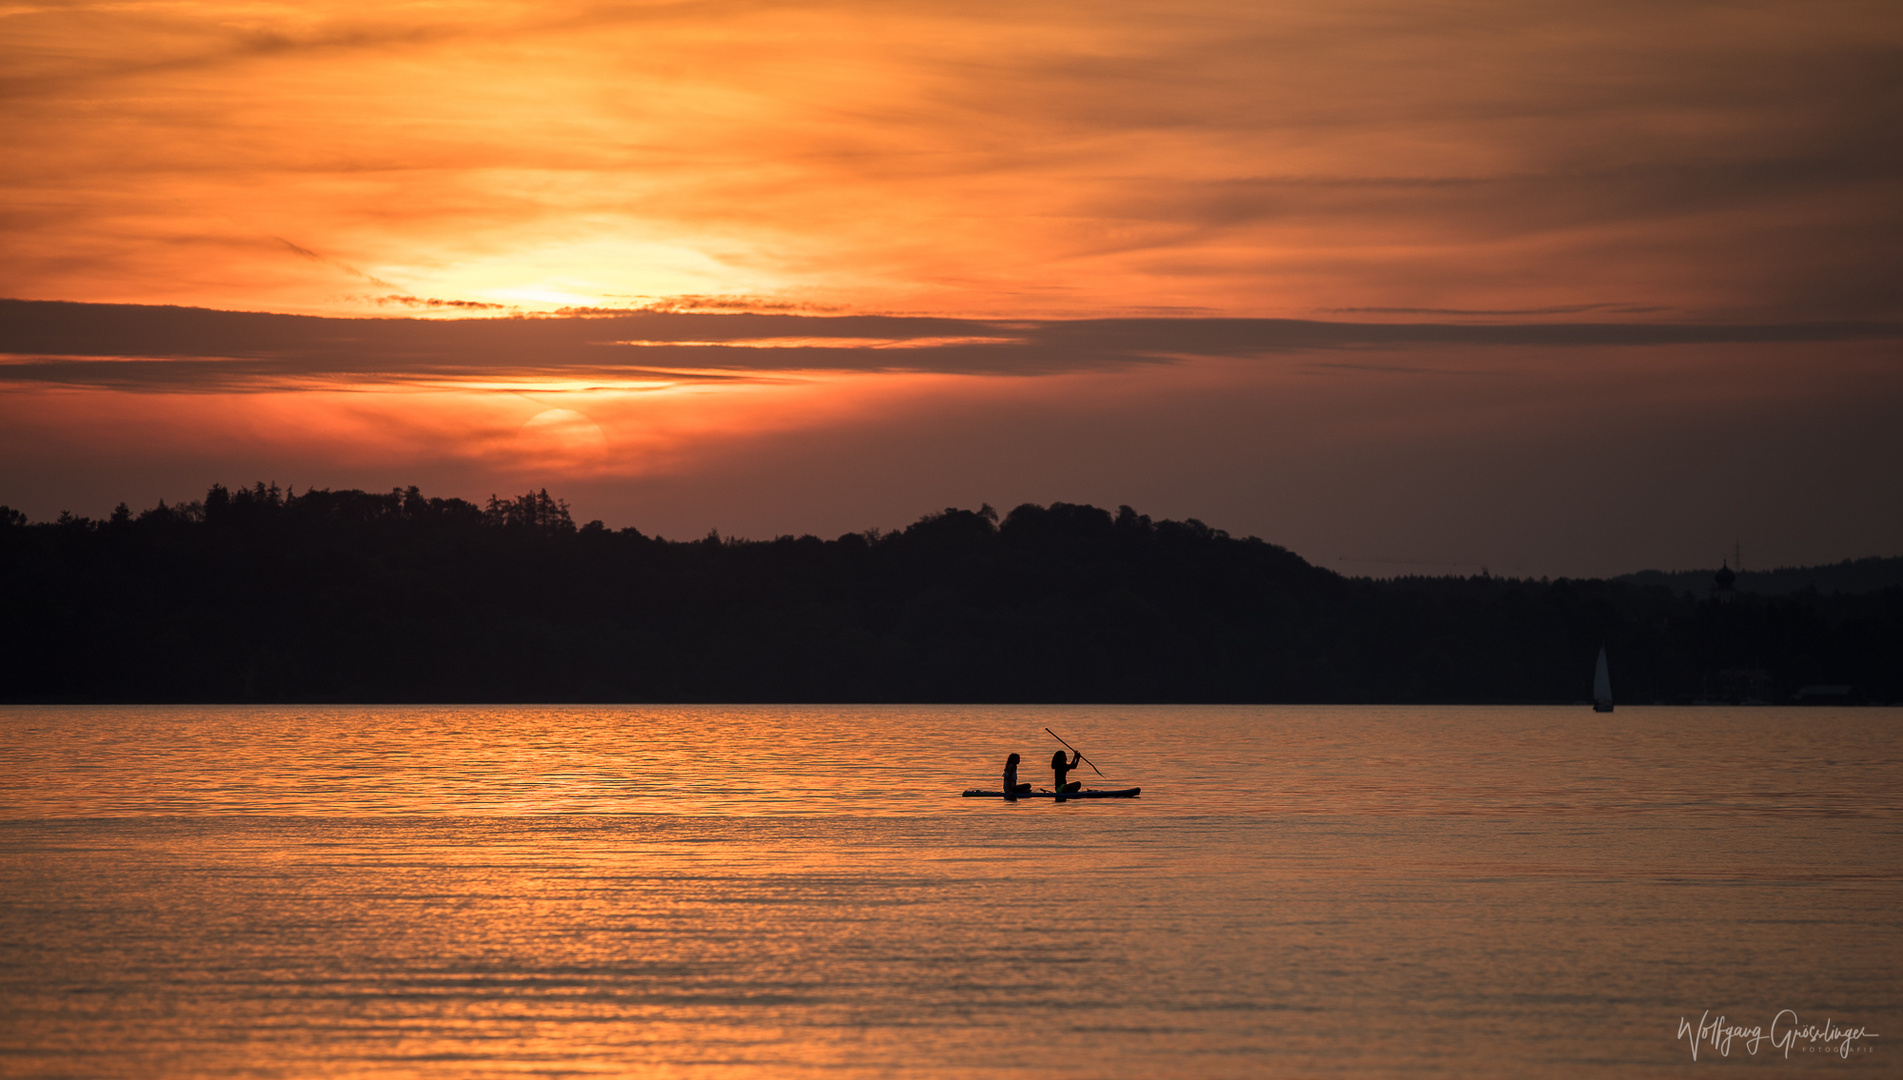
(561, 437)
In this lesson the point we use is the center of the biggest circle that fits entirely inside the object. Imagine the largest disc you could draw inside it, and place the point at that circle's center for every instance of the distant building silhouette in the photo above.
(1724, 584)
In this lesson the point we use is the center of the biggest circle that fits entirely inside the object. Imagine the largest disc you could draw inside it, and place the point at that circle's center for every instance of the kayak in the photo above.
(1088, 793)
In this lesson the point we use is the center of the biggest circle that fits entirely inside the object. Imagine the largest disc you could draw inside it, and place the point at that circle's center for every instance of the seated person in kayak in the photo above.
(1011, 785)
(1062, 770)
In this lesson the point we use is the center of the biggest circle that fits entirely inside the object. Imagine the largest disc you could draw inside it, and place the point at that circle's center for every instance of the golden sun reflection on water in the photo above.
(766, 891)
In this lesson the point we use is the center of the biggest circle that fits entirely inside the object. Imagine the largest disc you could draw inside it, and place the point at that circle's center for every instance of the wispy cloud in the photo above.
(829, 343)
(306, 253)
(1557, 309)
(434, 304)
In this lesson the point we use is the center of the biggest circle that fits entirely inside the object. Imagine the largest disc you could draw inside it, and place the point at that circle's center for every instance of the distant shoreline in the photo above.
(263, 596)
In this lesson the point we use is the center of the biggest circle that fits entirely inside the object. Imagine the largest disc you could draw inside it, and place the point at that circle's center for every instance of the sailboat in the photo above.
(1601, 685)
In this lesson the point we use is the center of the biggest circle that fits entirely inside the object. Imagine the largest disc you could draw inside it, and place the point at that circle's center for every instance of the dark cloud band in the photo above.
(192, 349)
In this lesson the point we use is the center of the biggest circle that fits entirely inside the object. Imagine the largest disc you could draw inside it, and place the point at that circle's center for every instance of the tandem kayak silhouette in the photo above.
(1083, 793)
(1063, 789)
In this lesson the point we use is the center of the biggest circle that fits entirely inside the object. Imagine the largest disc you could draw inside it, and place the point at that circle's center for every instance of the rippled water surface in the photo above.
(761, 891)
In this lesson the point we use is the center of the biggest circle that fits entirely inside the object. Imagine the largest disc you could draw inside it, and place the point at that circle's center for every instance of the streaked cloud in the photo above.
(829, 343)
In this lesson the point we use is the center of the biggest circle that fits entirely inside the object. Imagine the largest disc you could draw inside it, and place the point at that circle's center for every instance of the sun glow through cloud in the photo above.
(1043, 159)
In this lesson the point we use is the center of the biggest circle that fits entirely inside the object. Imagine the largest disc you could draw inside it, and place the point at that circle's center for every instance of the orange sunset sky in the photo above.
(1406, 287)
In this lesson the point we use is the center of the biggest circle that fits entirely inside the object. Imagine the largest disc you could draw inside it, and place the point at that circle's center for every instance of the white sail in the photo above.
(1601, 681)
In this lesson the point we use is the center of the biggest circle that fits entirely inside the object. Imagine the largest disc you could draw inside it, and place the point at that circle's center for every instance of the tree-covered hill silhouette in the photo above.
(256, 594)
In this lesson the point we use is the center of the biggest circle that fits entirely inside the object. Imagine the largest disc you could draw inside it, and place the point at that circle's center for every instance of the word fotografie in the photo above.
(1784, 1035)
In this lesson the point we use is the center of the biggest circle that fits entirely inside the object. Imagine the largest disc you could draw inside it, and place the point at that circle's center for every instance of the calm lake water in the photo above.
(800, 891)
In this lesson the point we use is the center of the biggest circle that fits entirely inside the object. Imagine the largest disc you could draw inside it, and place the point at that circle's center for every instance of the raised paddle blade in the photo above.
(1073, 749)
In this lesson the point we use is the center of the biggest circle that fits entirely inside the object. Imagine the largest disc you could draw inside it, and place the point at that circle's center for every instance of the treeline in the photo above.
(257, 594)
(1848, 576)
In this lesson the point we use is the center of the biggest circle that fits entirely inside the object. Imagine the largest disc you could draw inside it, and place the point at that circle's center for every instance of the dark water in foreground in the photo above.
(766, 892)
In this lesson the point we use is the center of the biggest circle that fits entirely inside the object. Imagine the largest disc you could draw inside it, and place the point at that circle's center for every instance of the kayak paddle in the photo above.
(1073, 749)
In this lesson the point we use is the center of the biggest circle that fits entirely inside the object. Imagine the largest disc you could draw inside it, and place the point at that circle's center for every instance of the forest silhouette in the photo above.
(257, 594)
